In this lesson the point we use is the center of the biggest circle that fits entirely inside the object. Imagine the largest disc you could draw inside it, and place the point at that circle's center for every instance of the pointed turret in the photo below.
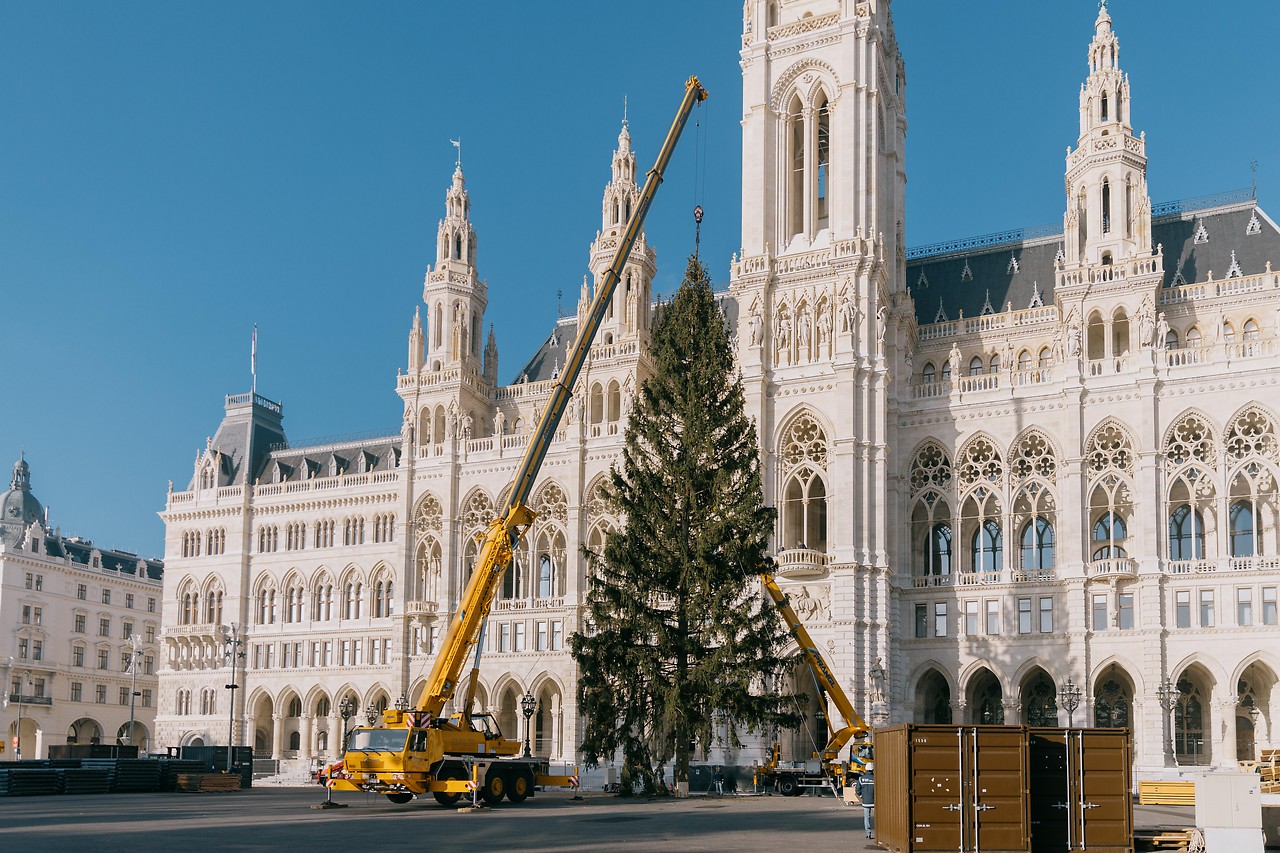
(1108, 214)
(415, 342)
(455, 296)
(491, 358)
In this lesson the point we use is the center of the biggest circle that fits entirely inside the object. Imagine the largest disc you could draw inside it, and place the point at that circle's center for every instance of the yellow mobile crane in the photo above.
(828, 771)
(417, 751)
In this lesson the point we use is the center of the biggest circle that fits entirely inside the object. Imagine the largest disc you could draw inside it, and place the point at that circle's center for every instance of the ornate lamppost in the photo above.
(371, 716)
(1167, 693)
(346, 708)
(1069, 698)
(135, 650)
(528, 705)
(231, 651)
(17, 745)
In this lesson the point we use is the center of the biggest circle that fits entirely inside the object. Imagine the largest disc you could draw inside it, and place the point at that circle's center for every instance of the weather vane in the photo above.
(457, 143)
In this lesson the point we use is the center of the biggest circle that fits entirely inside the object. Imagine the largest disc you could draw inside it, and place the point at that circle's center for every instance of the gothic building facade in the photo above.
(1023, 477)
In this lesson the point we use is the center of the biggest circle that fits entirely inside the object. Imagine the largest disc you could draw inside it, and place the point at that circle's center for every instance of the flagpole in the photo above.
(253, 360)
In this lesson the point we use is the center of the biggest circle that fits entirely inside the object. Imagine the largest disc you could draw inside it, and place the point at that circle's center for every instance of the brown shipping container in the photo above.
(1080, 784)
(949, 788)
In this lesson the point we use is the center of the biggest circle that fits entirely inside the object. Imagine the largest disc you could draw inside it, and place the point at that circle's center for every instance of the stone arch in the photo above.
(1124, 664)
(1110, 444)
(1211, 667)
(985, 693)
(931, 467)
(934, 694)
(311, 701)
(1037, 694)
(428, 516)
(1193, 713)
(784, 88)
(1192, 432)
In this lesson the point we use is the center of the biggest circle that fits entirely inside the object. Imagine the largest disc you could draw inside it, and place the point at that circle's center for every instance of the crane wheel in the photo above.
(788, 787)
(400, 797)
(448, 799)
(495, 786)
(521, 786)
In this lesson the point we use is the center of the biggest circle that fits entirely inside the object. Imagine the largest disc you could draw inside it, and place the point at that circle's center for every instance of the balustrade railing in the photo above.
(795, 562)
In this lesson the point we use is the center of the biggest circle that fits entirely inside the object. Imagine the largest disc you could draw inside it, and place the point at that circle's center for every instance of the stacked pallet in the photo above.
(84, 780)
(170, 768)
(28, 781)
(204, 782)
(128, 775)
(1269, 769)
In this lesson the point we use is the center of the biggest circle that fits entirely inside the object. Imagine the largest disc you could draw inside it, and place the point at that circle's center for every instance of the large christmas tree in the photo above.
(678, 636)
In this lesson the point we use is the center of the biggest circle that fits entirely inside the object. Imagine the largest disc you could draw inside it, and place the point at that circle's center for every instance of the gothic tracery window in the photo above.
(1111, 705)
(1109, 460)
(981, 475)
(804, 455)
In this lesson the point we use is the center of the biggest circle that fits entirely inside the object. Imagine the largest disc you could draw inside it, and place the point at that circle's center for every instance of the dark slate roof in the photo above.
(251, 424)
(81, 551)
(994, 278)
(380, 453)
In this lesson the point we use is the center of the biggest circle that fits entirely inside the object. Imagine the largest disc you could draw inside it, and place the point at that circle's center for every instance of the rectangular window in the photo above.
(518, 642)
(77, 691)
(24, 648)
(26, 614)
(104, 627)
(557, 635)
(1046, 615)
(124, 662)
(1125, 613)
(77, 656)
(82, 592)
(269, 656)
(940, 619)
(148, 665)
(922, 620)
(1244, 607)
(971, 617)
(100, 694)
(435, 638)
(146, 698)
(39, 684)
(151, 605)
(1206, 608)
(128, 600)
(357, 652)
(328, 652)
(124, 695)
(38, 616)
(993, 616)
(1268, 605)
(1182, 608)
(504, 638)
(37, 650)
(315, 654)
(345, 652)
(151, 633)
(39, 582)
(79, 623)
(542, 638)
(106, 596)
(30, 580)
(1024, 616)
(1099, 611)
(128, 630)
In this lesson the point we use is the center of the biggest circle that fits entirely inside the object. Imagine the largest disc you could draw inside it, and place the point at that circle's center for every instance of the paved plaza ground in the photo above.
(281, 818)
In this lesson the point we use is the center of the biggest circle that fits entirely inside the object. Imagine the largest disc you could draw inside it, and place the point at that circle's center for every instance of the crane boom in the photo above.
(503, 533)
(826, 680)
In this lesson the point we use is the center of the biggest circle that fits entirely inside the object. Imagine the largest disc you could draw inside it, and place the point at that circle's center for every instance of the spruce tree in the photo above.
(677, 630)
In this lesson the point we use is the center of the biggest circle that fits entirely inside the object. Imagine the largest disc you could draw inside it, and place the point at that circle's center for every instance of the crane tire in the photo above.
(448, 799)
(495, 786)
(400, 797)
(520, 786)
(788, 786)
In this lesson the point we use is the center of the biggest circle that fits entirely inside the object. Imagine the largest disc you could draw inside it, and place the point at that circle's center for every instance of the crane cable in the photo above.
(699, 174)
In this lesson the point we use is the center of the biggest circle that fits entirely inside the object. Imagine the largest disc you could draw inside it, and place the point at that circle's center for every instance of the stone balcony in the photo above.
(801, 563)
(1113, 567)
(421, 608)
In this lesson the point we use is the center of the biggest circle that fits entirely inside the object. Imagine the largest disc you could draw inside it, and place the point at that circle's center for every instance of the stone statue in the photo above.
(784, 332)
(499, 422)
(803, 329)
(757, 327)
(467, 423)
(846, 314)
(953, 359)
(824, 326)
(628, 392)
(451, 423)
(1162, 332)
(1073, 335)
(1146, 324)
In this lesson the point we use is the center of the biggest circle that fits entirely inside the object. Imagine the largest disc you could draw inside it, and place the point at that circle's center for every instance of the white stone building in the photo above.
(71, 611)
(1003, 466)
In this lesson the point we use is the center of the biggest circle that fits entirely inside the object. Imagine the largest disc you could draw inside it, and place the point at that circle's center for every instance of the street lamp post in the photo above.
(232, 653)
(346, 708)
(26, 679)
(1167, 693)
(1069, 698)
(135, 649)
(527, 706)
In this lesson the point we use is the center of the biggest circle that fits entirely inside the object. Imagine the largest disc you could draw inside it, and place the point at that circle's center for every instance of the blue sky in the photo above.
(171, 173)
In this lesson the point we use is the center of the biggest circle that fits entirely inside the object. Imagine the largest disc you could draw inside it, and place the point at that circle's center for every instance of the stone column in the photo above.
(335, 737)
(305, 726)
(1224, 749)
(557, 722)
(277, 736)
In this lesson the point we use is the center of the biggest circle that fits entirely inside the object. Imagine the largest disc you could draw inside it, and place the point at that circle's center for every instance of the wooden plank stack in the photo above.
(204, 782)
(1177, 793)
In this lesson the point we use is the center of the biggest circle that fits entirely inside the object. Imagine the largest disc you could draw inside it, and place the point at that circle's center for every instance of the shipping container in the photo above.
(1080, 784)
(948, 788)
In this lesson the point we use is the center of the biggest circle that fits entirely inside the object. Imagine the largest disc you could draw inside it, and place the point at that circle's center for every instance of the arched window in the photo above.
(975, 366)
(986, 550)
(1228, 332)
(1106, 186)
(1188, 725)
(613, 404)
(1250, 330)
(795, 192)
(772, 15)
(352, 593)
(1039, 702)
(1046, 358)
(596, 415)
(1193, 338)
(1242, 543)
(322, 600)
(1024, 360)
(1109, 534)
(995, 362)
(804, 509)
(823, 151)
(927, 375)
(1186, 534)
(1171, 339)
(1111, 706)
(545, 577)
(457, 247)
(1037, 545)
(939, 552)
(946, 371)
(1104, 118)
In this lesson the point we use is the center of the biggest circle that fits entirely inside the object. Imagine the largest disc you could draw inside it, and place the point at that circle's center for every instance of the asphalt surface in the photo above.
(282, 818)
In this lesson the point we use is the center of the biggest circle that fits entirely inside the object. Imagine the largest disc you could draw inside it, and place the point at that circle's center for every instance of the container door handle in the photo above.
(954, 807)
(983, 808)
(1091, 805)
(1062, 805)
